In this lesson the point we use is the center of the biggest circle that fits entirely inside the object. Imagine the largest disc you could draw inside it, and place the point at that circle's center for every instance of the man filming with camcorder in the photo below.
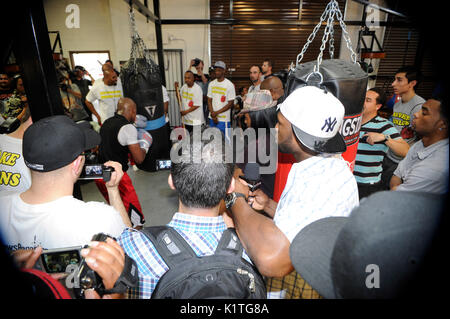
(47, 214)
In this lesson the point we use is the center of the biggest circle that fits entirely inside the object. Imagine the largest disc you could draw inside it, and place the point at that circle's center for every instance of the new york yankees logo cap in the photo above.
(316, 117)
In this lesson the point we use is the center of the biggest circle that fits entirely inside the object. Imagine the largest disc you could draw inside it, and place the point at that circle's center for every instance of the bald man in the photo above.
(120, 138)
(274, 85)
(107, 92)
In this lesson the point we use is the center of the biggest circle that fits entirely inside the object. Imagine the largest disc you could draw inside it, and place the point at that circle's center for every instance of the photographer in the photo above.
(83, 84)
(202, 80)
(47, 214)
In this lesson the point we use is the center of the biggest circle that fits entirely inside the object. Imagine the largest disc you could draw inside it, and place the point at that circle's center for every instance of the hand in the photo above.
(372, 138)
(26, 258)
(107, 259)
(116, 175)
(240, 186)
(192, 63)
(183, 113)
(99, 120)
(258, 200)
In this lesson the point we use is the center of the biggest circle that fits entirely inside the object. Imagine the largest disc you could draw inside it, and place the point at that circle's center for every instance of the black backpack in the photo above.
(222, 275)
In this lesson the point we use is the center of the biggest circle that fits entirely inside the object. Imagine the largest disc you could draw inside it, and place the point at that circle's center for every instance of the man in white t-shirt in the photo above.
(46, 214)
(221, 95)
(191, 102)
(107, 92)
(14, 174)
(319, 185)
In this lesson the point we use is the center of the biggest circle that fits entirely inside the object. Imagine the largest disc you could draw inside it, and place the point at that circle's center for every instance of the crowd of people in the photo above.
(41, 162)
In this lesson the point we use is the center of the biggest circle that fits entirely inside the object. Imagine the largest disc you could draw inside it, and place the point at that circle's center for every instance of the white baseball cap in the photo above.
(220, 64)
(316, 117)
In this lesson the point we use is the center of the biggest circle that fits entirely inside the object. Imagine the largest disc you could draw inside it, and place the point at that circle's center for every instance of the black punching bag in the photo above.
(345, 80)
(141, 81)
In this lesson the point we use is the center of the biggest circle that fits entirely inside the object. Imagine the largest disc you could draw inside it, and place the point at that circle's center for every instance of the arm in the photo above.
(224, 109)
(189, 110)
(395, 182)
(92, 109)
(112, 187)
(137, 153)
(398, 146)
(265, 243)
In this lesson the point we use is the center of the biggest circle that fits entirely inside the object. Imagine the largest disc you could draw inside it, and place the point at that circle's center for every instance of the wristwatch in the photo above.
(231, 198)
(387, 137)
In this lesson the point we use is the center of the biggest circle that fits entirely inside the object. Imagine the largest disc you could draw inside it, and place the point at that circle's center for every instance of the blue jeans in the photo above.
(222, 126)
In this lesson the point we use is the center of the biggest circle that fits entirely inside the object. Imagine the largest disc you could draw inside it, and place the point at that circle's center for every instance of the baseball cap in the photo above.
(316, 117)
(56, 141)
(388, 235)
(220, 64)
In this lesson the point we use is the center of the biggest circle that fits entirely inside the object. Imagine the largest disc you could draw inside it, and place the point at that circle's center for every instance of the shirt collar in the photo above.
(193, 223)
(427, 151)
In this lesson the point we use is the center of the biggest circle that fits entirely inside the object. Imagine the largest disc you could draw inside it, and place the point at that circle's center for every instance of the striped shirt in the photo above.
(316, 188)
(369, 158)
(202, 233)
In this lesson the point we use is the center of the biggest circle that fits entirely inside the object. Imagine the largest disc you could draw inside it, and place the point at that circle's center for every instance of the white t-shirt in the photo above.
(221, 93)
(316, 188)
(190, 97)
(14, 174)
(107, 96)
(64, 222)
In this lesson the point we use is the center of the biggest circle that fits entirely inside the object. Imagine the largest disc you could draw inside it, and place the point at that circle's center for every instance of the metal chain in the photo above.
(331, 10)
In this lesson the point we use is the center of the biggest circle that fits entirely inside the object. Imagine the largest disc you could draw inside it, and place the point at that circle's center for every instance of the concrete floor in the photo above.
(158, 201)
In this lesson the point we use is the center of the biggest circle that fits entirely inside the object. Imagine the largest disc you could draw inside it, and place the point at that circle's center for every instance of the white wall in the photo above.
(104, 25)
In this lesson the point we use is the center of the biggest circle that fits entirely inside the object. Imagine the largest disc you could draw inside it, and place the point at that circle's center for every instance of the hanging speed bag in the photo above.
(142, 83)
(345, 80)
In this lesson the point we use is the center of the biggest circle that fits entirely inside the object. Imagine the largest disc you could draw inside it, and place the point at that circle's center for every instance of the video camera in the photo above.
(96, 171)
(81, 276)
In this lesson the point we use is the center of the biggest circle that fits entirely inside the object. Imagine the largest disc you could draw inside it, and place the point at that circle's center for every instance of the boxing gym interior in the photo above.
(342, 48)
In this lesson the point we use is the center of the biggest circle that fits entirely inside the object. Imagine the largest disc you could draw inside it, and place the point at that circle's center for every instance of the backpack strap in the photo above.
(170, 245)
(229, 244)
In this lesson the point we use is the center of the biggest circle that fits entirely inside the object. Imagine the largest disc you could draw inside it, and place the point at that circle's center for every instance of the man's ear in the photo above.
(231, 187)
(77, 165)
(170, 182)
(413, 83)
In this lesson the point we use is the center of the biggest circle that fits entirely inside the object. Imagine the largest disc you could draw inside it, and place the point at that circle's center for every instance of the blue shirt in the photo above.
(369, 158)
(202, 233)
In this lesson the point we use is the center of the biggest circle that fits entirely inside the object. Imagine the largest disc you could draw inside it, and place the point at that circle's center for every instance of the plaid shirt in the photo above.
(202, 234)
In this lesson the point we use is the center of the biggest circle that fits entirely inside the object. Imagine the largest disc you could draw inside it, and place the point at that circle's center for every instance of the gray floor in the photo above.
(158, 201)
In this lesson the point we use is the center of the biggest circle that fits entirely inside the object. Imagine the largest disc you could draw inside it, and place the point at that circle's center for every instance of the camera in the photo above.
(163, 164)
(96, 171)
(196, 62)
(57, 260)
(87, 278)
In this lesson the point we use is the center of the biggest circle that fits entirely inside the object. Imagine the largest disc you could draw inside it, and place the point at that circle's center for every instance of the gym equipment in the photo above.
(344, 79)
(141, 81)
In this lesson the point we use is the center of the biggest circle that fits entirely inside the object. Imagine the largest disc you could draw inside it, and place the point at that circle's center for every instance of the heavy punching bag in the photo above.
(141, 81)
(344, 79)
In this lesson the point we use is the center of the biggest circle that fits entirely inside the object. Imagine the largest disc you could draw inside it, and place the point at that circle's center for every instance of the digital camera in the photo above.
(96, 171)
(163, 164)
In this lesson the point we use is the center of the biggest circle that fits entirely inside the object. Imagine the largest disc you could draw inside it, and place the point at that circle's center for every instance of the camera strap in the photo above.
(128, 278)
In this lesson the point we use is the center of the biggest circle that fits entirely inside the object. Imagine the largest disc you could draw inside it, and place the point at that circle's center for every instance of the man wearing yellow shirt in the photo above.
(221, 95)
(191, 102)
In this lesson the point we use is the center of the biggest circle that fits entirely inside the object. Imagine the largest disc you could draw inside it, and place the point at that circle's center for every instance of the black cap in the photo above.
(56, 141)
(376, 252)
